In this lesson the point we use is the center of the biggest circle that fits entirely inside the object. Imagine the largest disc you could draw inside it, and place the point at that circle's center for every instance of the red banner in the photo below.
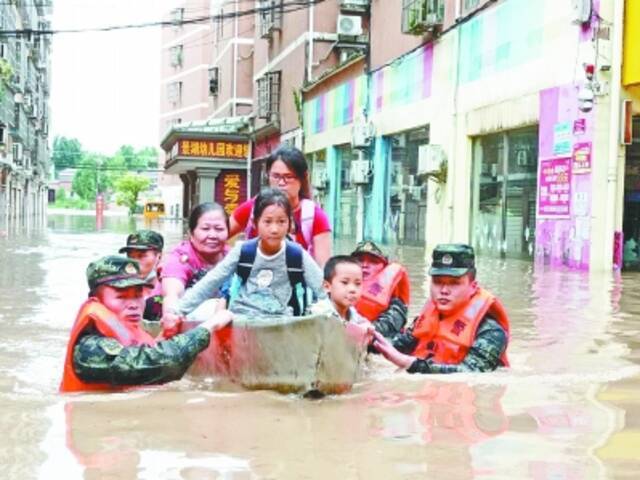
(231, 189)
(213, 148)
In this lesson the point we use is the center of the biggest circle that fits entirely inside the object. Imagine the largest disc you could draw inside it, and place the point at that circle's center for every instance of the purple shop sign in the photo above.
(554, 188)
(580, 126)
(581, 158)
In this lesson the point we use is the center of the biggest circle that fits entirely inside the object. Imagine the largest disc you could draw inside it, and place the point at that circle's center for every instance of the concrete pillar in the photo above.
(207, 184)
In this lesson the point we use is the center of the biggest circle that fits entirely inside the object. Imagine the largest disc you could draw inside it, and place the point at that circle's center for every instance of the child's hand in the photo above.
(390, 353)
(171, 323)
(220, 320)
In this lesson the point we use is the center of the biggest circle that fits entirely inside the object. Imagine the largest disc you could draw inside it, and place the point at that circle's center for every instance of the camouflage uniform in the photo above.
(101, 359)
(491, 339)
(144, 240)
(148, 240)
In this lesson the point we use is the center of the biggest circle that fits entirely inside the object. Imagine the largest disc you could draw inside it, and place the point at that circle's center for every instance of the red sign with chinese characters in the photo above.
(231, 189)
(213, 148)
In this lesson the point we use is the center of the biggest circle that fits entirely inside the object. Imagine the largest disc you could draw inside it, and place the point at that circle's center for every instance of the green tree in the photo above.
(6, 72)
(90, 172)
(67, 153)
(128, 188)
(151, 156)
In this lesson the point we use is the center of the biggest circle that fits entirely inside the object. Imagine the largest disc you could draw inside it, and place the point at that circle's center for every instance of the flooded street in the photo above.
(569, 408)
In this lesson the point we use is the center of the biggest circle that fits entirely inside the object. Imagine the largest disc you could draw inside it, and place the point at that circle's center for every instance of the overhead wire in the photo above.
(284, 7)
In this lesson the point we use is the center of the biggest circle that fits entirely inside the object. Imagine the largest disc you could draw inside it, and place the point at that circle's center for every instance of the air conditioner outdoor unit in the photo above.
(430, 158)
(319, 178)
(360, 171)
(349, 25)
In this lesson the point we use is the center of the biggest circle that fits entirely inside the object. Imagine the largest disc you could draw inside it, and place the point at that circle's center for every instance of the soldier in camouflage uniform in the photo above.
(463, 328)
(146, 246)
(108, 349)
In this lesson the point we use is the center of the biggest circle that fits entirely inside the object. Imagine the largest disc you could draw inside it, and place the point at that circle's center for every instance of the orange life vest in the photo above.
(447, 340)
(106, 322)
(391, 281)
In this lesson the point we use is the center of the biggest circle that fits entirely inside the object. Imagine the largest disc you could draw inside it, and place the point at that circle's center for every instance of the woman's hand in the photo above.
(389, 352)
(171, 323)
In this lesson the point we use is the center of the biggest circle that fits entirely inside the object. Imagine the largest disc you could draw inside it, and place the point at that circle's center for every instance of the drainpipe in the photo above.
(310, 53)
(613, 158)
(234, 94)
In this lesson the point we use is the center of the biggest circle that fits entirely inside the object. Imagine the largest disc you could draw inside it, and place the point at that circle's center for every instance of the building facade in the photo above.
(494, 123)
(24, 110)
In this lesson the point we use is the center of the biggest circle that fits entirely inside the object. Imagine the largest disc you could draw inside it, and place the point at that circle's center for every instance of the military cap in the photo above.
(370, 248)
(144, 240)
(116, 271)
(452, 259)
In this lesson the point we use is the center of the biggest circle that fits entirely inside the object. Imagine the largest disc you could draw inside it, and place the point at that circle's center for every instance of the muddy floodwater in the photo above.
(569, 408)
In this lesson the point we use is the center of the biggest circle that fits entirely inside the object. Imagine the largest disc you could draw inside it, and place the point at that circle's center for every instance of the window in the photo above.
(174, 92)
(3, 134)
(270, 17)
(177, 17)
(4, 52)
(469, 5)
(269, 96)
(175, 54)
(420, 17)
(213, 81)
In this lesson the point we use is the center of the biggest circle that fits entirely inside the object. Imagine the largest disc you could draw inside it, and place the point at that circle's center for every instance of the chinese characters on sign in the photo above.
(213, 148)
(231, 188)
(581, 157)
(554, 194)
(562, 138)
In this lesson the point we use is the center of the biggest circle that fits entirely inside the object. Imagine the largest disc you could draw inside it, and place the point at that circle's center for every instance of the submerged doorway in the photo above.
(504, 181)
(631, 213)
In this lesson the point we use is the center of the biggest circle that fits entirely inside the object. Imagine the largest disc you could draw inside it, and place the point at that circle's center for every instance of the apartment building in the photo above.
(263, 54)
(24, 110)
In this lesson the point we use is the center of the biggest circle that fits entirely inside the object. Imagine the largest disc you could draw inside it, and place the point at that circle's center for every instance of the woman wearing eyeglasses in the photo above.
(288, 171)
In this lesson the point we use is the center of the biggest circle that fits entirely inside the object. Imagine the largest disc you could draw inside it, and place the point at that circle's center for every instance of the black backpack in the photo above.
(293, 257)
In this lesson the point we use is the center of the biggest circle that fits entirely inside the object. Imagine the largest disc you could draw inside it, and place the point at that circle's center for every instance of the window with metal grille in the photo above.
(174, 92)
(421, 16)
(269, 96)
(468, 5)
(176, 54)
(213, 80)
(177, 16)
(270, 17)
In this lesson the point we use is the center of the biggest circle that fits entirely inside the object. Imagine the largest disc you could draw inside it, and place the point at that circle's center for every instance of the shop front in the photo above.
(211, 166)
(408, 192)
(631, 214)
(504, 188)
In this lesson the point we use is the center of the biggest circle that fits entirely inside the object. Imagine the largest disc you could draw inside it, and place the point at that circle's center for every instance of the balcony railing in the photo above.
(356, 6)
(420, 17)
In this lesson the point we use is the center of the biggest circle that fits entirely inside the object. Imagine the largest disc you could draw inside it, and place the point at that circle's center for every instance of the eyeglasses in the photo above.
(286, 178)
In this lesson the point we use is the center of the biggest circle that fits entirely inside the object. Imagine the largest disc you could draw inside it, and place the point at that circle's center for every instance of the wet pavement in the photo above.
(569, 408)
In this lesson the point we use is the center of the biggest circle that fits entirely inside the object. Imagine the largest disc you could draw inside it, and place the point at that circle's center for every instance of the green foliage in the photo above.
(298, 102)
(89, 175)
(6, 72)
(128, 188)
(67, 153)
(63, 201)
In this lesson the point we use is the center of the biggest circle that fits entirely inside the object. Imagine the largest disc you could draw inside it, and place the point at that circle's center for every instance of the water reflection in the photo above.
(568, 408)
